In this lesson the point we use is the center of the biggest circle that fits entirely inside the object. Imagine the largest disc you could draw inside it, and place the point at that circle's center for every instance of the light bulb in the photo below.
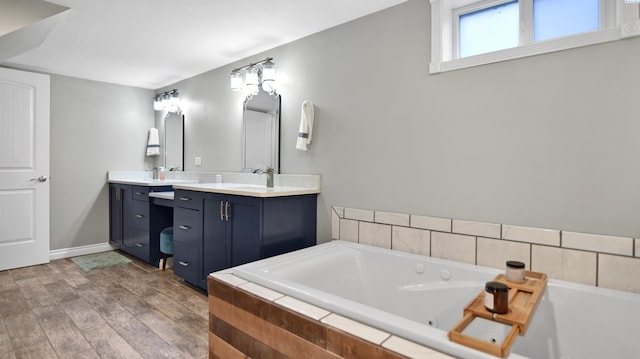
(236, 81)
(268, 71)
(251, 76)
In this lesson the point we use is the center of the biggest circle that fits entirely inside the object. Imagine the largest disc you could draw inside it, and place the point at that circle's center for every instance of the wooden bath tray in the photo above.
(523, 301)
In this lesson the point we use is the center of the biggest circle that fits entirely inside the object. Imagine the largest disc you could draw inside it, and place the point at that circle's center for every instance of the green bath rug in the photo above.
(100, 260)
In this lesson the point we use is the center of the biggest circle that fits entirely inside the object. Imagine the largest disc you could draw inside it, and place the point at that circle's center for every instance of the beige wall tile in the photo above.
(432, 223)
(564, 264)
(476, 228)
(392, 218)
(374, 234)
(619, 273)
(349, 230)
(358, 214)
(412, 240)
(455, 247)
(496, 252)
(598, 243)
(549, 237)
(335, 225)
(339, 211)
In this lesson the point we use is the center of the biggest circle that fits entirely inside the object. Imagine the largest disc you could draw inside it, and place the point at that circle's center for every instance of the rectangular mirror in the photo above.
(174, 141)
(261, 122)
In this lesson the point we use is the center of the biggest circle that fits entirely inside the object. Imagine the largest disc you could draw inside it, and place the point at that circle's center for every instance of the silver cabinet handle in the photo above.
(226, 211)
(186, 228)
(118, 194)
(139, 245)
(222, 210)
(139, 193)
(139, 216)
(184, 264)
(40, 179)
(185, 199)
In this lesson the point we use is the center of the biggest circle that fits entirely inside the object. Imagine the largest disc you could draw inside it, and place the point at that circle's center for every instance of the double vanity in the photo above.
(215, 225)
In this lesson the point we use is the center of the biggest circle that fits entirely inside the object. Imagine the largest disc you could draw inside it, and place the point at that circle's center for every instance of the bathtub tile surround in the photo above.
(303, 308)
(476, 228)
(566, 264)
(391, 218)
(358, 214)
(411, 240)
(619, 272)
(455, 247)
(432, 223)
(598, 243)
(261, 291)
(495, 253)
(548, 237)
(411, 349)
(242, 324)
(352, 327)
(601, 260)
(349, 230)
(374, 234)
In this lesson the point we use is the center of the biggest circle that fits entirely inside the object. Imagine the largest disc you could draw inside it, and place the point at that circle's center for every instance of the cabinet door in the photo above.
(216, 246)
(115, 215)
(245, 229)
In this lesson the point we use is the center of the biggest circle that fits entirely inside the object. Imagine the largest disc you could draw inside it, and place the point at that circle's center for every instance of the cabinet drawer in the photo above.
(140, 215)
(137, 244)
(186, 262)
(187, 226)
(188, 199)
(140, 193)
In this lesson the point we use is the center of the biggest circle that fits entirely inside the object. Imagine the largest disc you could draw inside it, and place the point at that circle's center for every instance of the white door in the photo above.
(24, 169)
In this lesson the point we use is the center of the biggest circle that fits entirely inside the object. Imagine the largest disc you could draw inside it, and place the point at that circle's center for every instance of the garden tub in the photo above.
(421, 298)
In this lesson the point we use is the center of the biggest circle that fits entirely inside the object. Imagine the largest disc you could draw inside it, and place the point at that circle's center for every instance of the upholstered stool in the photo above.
(166, 245)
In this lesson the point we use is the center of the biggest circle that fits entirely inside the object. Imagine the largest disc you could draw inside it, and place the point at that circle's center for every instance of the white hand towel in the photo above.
(153, 146)
(306, 126)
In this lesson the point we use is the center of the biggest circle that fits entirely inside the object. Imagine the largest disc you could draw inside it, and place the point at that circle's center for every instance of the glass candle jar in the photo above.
(515, 272)
(496, 297)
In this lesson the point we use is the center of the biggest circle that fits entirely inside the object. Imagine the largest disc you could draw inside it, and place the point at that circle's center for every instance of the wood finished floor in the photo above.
(58, 310)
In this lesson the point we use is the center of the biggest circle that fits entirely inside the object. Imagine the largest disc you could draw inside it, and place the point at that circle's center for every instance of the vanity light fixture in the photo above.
(169, 100)
(256, 75)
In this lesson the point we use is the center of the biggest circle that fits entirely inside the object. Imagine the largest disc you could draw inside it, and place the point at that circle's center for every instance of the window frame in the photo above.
(618, 20)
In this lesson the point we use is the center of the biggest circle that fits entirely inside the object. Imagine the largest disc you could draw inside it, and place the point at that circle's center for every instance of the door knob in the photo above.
(41, 179)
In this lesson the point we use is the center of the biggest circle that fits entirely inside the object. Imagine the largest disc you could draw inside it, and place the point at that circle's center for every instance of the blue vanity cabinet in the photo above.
(140, 222)
(288, 224)
(242, 229)
(187, 236)
(115, 215)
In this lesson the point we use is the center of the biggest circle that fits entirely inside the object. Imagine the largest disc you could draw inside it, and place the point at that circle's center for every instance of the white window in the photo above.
(467, 33)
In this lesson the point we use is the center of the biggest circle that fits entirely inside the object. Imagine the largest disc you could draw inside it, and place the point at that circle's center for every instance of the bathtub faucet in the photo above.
(269, 172)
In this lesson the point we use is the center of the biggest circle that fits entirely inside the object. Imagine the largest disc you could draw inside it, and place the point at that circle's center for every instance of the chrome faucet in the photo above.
(269, 172)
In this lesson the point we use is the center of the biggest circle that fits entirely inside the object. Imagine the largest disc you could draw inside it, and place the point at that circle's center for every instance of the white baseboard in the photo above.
(79, 251)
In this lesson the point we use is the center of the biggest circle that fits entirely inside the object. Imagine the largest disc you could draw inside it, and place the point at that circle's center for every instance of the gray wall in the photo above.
(95, 127)
(548, 141)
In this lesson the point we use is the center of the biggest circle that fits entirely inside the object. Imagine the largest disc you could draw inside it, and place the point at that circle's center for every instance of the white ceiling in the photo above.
(154, 43)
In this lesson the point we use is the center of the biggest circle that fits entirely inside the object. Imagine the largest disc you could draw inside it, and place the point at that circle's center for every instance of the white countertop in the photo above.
(151, 182)
(247, 189)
